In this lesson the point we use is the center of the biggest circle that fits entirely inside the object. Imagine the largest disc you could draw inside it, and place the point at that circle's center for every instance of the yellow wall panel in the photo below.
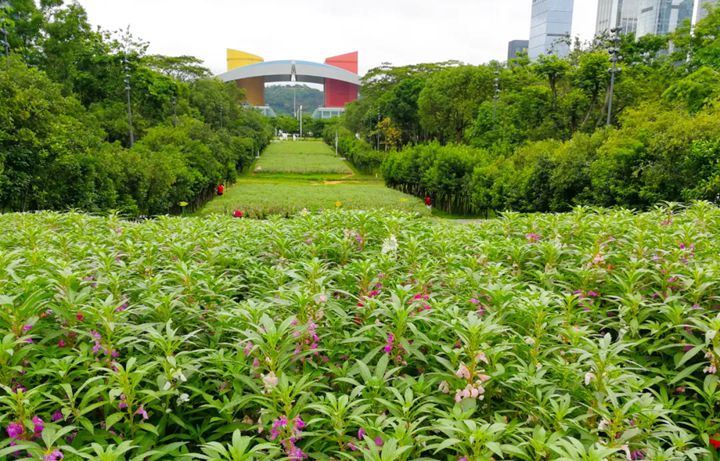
(236, 58)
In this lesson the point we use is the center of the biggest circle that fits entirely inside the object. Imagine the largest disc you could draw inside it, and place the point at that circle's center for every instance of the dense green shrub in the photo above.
(657, 154)
(358, 152)
(592, 335)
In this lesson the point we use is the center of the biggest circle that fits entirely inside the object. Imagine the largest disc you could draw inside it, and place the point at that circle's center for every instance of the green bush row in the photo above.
(656, 155)
(56, 154)
(357, 151)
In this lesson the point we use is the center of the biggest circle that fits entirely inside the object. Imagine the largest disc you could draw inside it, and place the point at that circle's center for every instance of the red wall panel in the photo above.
(338, 93)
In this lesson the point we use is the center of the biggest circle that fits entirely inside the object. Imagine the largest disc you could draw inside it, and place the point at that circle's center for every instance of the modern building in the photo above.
(702, 11)
(661, 17)
(550, 28)
(516, 48)
(339, 76)
(613, 14)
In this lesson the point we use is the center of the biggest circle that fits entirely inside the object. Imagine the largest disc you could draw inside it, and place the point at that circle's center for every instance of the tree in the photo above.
(449, 102)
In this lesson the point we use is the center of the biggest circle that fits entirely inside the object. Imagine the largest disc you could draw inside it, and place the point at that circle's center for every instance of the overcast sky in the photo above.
(395, 31)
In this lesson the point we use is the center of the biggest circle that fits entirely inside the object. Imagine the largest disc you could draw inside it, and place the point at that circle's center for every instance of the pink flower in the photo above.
(61, 343)
(54, 455)
(463, 372)
(379, 441)
(57, 416)
(15, 430)
(80, 317)
(27, 328)
(361, 434)
(532, 237)
(141, 411)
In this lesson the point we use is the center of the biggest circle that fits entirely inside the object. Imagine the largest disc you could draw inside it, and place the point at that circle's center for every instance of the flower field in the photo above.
(352, 335)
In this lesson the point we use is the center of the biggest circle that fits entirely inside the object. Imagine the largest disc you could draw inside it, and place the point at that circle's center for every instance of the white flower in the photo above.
(167, 386)
(270, 381)
(444, 387)
(710, 335)
(183, 399)
(604, 424)
(589, 376)
(390, 245)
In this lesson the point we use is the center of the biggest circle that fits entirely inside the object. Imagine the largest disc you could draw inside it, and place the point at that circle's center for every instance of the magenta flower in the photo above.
(389, 344)
(57, 416)
(54, 455)
(61, 343)
(361, 434)
(15, 430)
(379, 441)
(141, 411)
(532, 237)
(27, 328)
(39, 425)
(80, 317)
(299, 423)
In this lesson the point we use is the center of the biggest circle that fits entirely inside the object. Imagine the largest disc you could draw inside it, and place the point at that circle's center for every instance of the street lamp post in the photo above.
(614, 70)
(300, 120)
(496, 96)
(126, 67)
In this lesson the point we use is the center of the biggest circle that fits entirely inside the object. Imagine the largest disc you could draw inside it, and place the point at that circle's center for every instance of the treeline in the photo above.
(656, 155)
(65, 133)
(532, 136)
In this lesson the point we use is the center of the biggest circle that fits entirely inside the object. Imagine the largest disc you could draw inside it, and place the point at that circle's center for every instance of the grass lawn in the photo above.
(301, 157)
(260, 198)
(307, 175)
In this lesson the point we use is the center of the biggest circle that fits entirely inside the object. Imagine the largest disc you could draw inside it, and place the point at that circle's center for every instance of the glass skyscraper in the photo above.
(661, 17)
(702, 12)
(550, 28)
(617, 13)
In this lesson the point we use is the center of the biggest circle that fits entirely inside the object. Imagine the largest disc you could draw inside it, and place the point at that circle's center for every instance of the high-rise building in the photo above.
(550, 28)
(612, 14)
(516, 47)
(702, 11)
(661, 17)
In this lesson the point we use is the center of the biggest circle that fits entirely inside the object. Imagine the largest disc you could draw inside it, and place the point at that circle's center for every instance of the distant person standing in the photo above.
(220, 189)
(428, 202)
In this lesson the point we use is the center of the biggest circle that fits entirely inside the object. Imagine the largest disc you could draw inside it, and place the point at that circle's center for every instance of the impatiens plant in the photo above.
(349, 335)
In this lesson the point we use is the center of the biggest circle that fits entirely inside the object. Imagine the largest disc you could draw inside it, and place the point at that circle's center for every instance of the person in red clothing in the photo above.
(428, 201)
(220, 189)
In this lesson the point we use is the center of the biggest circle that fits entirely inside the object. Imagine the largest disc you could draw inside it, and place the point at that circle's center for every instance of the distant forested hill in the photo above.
(280, 98)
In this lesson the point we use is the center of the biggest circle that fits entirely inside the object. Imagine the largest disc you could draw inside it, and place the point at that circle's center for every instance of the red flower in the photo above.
(715, 443)
(238, 214)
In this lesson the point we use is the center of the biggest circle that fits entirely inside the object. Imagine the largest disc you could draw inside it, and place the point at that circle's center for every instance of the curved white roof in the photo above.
(282, 71)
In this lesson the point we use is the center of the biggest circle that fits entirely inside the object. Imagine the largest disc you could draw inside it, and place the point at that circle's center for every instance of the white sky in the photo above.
(396, 31)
